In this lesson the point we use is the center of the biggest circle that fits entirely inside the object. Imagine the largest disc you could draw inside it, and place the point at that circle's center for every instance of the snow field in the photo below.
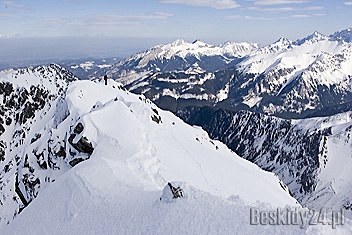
(117, 190)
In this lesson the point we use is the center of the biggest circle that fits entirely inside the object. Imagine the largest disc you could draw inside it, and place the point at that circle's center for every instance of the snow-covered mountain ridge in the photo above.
(86, 147)
(181, 55)
(291, 79)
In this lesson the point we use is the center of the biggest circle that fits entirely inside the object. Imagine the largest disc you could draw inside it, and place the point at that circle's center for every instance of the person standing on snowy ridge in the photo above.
(106, 79)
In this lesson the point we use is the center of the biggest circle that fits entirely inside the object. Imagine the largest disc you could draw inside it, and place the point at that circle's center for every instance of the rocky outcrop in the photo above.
(35, 146)
(81, 146)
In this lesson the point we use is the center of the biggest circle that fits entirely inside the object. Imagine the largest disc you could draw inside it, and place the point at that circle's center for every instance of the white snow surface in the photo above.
(325, 60)
(170, 150)
(117, 190)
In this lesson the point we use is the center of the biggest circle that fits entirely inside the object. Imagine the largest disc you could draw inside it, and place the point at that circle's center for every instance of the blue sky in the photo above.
(162, 21)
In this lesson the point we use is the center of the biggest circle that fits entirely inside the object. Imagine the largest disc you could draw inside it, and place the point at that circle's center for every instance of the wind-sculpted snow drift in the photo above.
(111, 153)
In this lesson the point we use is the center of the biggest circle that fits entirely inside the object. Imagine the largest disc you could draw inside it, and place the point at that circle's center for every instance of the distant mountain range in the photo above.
(291, 79)
(82, 68)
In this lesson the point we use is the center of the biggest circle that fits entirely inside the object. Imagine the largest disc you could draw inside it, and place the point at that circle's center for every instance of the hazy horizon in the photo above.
(20, 49)
(65, 29)
(62, 48)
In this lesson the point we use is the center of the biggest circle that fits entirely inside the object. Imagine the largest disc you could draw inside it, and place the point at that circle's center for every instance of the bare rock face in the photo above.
(81, 146)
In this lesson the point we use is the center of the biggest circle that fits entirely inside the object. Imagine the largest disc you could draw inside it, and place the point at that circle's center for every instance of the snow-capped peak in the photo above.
(200, 43)
(238, 49)
(313, 38)
(344, 35)
(178, 42)
(283, 41)
(180, 55)
(281, 44)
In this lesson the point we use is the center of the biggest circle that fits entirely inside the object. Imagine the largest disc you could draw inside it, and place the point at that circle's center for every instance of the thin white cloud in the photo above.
(314, 8)
(272, 10)
(12, 3)
(79, 1)
(299, 11)
(277, 2)
(110, 19)
(3, 36)
(300, 16)
(113, 17)
(217, 4)
(280, 9)
(241, 17)
(320, 14)
(348, 3)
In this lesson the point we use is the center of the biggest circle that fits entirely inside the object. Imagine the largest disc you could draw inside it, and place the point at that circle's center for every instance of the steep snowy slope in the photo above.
(333, 180)
(311, 156)
(138, 148)
(158, 147)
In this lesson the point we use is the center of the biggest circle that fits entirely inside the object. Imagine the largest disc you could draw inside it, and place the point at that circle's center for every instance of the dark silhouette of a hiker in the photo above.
(106, 79)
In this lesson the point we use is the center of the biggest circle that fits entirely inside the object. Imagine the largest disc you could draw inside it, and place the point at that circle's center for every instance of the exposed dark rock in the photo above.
(2, 150)
(35, 138)
(41, 160)
(171, 192)
(75, 161)
(2, 129)
(20, 194)
(8, 121)
(61, 153)
(79, 128)
(6, 88)
(83, 145)
(156, 118)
